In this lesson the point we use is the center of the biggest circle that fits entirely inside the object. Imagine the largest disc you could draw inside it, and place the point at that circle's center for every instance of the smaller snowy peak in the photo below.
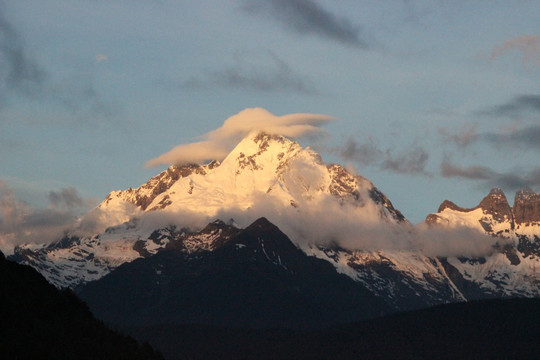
(144, 195)
(493, 215)
(527, 207)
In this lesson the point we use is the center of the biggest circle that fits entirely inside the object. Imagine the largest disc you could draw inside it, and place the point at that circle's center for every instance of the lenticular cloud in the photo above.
(218, 143)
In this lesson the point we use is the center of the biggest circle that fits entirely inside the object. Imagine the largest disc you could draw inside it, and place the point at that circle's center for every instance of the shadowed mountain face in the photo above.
(491, 329)
(257, 278)
(37, 321)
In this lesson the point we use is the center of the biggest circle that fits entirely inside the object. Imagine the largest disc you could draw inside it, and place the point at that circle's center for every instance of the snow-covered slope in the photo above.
(325, 210)
(263, 173)
(261, 167)
(513, 270)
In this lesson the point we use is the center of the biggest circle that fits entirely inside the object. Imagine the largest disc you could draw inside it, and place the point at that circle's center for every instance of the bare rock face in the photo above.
(527, 207)
(496, 205)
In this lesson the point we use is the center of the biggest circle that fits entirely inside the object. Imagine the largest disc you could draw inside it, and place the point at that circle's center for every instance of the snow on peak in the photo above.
(264, 175)
(494, 215)
(262, 167)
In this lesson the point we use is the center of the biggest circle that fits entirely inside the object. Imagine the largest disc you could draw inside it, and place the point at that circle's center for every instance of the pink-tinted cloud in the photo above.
(218, 143)
(527, 45)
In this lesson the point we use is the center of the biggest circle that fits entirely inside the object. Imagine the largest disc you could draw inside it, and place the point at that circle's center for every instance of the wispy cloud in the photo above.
(307, 17)
(528, 137)
(463, 137)
(258, 72)
(366, 154)
(218, 143)
(21, 74)
(517, 106)
(527, 45)
(18, 70)
(412, 160)
(66, 198)
(509, 181)
(21, 223)
(101, 57)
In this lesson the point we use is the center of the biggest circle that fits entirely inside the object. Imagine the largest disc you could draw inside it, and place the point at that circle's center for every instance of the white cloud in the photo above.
(218, 143)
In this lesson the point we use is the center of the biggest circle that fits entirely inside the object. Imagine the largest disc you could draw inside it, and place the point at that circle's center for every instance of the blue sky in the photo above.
(434, 99)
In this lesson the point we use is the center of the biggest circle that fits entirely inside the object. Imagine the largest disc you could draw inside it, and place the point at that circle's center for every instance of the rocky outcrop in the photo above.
(496, 205)
(447, 204)
(526, 207)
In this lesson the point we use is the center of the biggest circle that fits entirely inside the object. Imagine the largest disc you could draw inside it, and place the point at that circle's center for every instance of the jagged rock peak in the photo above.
(527, 207)
(524, 195)
(496, 204)
(447, 204)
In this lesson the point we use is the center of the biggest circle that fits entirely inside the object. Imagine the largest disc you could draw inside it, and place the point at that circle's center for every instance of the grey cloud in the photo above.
(472, 172)
(409, 161)
(18, 71)
(21, 74)
(257, 75)
(412, 161)
(46, 218)
(456, 241)
(528, 137)
(21, 223)
(461, 138)
(509, 180)
(308, 17)
(517, 106)
(66, 197)
(366, 153)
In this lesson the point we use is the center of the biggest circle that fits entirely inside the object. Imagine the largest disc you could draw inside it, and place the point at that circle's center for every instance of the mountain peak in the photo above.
(524, 195)
(447, 204)
(527, 207)
(496, 204)
(262, 223)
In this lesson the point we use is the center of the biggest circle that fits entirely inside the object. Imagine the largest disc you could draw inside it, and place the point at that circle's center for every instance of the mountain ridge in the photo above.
(327, 213)
(262, 169)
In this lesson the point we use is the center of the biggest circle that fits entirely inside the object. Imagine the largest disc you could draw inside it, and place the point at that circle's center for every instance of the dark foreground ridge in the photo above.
(489, 329)
(38, 321)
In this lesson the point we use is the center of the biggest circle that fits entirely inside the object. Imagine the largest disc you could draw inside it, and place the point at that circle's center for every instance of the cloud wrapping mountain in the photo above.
(218, 143)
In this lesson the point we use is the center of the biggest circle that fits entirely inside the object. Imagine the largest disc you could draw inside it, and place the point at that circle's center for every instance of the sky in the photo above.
(430, 100)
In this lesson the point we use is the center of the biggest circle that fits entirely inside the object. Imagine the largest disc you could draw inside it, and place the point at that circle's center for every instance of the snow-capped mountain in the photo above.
(514, 270)
(263, 173)
(326, 212)
(252, 277)
(261, 167)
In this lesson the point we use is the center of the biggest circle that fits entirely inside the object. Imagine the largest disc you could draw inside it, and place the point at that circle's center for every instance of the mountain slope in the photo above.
(256, 278)
(512, 270)
(37, 321)
(265, 175)
(328, 214)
